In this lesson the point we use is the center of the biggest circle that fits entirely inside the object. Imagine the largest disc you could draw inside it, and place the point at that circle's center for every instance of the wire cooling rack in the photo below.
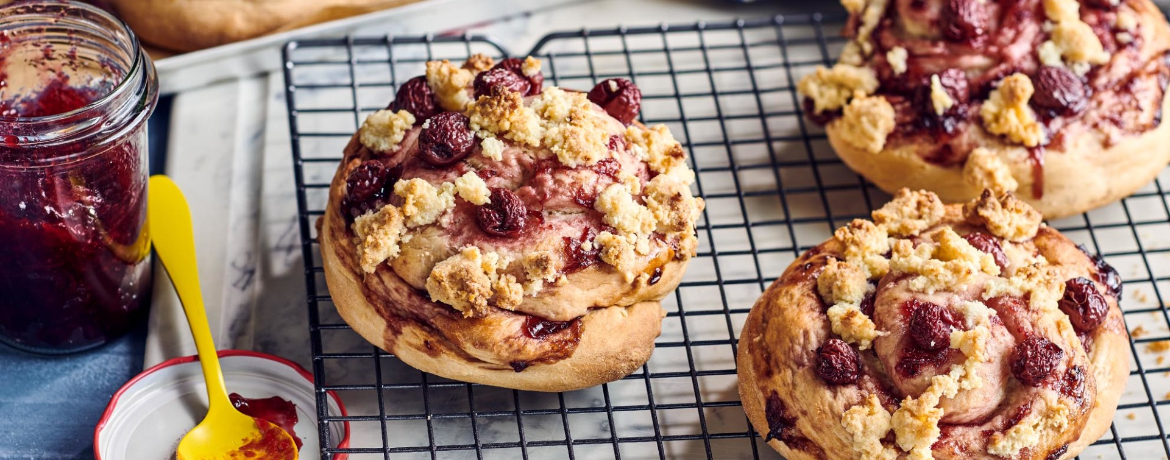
(773, 188)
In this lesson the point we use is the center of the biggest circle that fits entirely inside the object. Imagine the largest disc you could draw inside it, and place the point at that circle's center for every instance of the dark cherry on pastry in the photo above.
(1058, 101)
(489, 229)
(935, 331)
(415, 97)
(619, 97)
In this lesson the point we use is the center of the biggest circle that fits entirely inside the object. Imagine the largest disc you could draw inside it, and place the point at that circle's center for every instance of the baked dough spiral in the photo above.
(963, 331)
(1057, 101)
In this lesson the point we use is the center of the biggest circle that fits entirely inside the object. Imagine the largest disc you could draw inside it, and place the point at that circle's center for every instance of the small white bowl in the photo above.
(149, 414)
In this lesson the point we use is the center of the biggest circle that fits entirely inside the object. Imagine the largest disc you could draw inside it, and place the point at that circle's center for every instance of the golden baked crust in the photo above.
(558, 288)
(966, 401)
(185, 25)
(1100, 154)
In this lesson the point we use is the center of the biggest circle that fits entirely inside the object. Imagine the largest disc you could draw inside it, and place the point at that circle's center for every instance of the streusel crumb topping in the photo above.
(424, 203)
(573, 130)
(830, 89)
(503, 113)
(377, 236)
(867, 424)
(843, 282)
(470, 282)
(867, 121)
(657, 147)
(384, 130)
(847, 321)
(450, 83)
(1006, 111)
(910, 212)
(1005, 216)
(479, 62)
(984, 169)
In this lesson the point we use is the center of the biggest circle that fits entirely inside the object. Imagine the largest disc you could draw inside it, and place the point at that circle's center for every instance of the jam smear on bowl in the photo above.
(74, 260)
(281, 412)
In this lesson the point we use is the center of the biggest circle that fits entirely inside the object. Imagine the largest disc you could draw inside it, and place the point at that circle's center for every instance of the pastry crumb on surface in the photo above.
(852, 325)
(1006, 111)
(424, 203)
(910, 212)
(866, 122)
(503, 113)
(868, 424)
(939, 99)
(1005, 216)
(450, 83)
(492, 148)
(1138, 332)
(479, 62)
(984, 169)
(623, 213)
(384, 130)
(377, 237)
(657, 147)
(831, 89)
(897, 59)
(842, 282)
(1160, 346)
(472, 188)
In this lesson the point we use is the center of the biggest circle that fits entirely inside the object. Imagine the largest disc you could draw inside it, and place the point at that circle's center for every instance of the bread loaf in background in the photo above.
(189, 25)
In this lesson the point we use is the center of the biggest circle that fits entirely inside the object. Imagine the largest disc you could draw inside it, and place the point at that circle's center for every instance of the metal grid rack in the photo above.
(774, 188)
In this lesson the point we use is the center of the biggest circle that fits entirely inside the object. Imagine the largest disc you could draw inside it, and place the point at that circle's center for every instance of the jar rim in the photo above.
(122, 109)
(136, 58)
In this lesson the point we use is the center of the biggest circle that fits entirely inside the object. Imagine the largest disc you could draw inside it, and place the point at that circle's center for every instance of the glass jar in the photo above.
(76, 90)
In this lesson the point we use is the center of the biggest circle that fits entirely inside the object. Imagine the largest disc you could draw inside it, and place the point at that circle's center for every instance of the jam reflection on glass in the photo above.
(281, 412)
(73, 268)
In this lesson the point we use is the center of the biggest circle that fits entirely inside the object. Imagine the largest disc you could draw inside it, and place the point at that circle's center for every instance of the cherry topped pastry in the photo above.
(936, 331)
(1057, 101)
(488, 228)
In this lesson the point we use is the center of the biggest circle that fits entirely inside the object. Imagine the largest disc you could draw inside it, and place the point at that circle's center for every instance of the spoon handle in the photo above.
(169, 221)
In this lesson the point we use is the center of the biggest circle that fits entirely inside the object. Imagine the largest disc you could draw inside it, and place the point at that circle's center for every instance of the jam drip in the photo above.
(537, 328)
(1036, 157)
(279, 411)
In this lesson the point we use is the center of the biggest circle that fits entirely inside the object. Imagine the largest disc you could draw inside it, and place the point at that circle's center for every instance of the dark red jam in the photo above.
(578, 258)
(538, 328)
(281, 412)
(74, 271)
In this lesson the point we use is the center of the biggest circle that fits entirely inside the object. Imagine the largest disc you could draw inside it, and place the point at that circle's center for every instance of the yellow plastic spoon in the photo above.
(225, 434)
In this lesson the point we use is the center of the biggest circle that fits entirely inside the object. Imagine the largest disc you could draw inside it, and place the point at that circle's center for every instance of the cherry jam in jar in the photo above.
(76, 90)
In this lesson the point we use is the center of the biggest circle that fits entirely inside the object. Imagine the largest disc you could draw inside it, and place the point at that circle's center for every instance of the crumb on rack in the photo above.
(1138, 332)
(1160, 346)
